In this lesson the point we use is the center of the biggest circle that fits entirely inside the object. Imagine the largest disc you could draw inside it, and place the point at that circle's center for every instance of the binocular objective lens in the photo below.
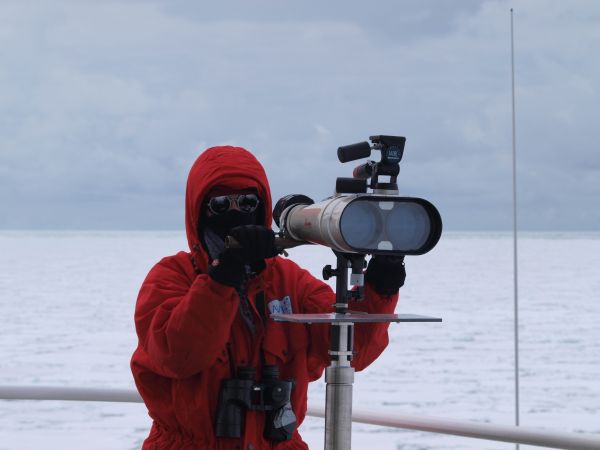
(408, 226)
(270, 372)
(361, 224)
(246, 373)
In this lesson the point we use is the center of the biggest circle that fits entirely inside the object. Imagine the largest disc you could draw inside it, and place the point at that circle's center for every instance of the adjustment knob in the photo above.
(328, 272)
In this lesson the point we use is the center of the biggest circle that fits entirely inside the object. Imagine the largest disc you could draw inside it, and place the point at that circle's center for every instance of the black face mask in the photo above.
(222, 223)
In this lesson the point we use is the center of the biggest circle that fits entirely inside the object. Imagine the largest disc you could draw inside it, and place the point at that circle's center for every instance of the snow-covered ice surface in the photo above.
(67, 300)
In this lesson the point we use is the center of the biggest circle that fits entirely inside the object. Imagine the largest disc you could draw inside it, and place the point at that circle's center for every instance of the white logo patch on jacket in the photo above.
(283, 306)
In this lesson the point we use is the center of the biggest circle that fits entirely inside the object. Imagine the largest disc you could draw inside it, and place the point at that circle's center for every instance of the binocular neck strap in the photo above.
(260, 306)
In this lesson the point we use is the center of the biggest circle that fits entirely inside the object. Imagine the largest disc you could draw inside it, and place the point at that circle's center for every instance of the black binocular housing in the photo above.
(241, 394)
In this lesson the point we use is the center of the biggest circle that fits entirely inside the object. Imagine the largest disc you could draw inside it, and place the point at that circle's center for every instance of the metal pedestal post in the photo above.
(338, 407)
(339, 376)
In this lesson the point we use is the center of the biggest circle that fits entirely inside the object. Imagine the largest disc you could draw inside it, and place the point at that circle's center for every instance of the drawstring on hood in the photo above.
(214, 243)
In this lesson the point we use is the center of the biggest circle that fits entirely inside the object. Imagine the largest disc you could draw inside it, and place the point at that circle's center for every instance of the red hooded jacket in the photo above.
(185, 321)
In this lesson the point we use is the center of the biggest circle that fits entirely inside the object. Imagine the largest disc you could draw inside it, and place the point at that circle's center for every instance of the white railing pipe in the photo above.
(501, 433)
(477, 430)
(69, 393)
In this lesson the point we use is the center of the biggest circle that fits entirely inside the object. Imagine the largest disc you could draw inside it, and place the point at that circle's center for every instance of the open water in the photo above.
(67, 301)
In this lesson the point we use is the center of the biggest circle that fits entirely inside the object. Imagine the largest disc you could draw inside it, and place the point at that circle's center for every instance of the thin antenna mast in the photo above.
(515, 259)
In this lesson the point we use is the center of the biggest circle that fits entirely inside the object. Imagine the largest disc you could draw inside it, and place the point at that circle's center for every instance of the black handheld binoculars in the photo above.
(243, 393)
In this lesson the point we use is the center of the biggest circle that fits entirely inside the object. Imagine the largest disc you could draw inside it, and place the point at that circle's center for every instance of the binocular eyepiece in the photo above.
(243, 393)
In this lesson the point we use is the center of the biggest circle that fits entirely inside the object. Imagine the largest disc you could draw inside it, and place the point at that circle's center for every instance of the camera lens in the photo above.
(408, 226)
(361, 224)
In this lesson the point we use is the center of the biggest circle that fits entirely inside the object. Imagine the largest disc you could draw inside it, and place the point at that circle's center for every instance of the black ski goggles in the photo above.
(246, 203)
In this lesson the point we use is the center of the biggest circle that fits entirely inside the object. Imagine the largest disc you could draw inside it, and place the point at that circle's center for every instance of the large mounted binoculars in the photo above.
(354, 220)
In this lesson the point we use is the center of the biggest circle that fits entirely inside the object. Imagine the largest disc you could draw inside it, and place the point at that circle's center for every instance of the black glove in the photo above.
(256, 243)
(386, 274)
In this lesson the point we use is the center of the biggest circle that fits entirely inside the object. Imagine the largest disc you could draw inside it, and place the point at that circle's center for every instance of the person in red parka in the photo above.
(203, 315)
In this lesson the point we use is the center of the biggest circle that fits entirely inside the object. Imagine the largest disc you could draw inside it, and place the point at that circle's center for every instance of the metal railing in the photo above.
(501, 433)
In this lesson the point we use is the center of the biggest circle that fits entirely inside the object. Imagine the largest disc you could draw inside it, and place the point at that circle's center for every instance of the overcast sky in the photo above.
(104, 105)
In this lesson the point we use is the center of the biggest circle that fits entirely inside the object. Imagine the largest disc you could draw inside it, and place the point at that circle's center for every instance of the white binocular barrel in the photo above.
(365, 223)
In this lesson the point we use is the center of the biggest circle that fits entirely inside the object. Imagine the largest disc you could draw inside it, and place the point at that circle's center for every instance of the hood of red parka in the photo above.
(229, 167)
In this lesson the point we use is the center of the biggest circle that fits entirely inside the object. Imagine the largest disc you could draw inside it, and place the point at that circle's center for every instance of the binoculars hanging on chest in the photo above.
(243, 393)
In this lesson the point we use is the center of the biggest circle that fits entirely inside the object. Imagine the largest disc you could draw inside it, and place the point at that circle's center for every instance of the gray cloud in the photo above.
(104, 106)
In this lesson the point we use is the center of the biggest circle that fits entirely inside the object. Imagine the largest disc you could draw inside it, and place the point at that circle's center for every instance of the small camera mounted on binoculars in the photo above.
(392, 150)
(354, 220)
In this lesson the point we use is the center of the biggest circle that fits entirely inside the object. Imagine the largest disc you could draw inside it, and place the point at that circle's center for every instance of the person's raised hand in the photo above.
(386, 274)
